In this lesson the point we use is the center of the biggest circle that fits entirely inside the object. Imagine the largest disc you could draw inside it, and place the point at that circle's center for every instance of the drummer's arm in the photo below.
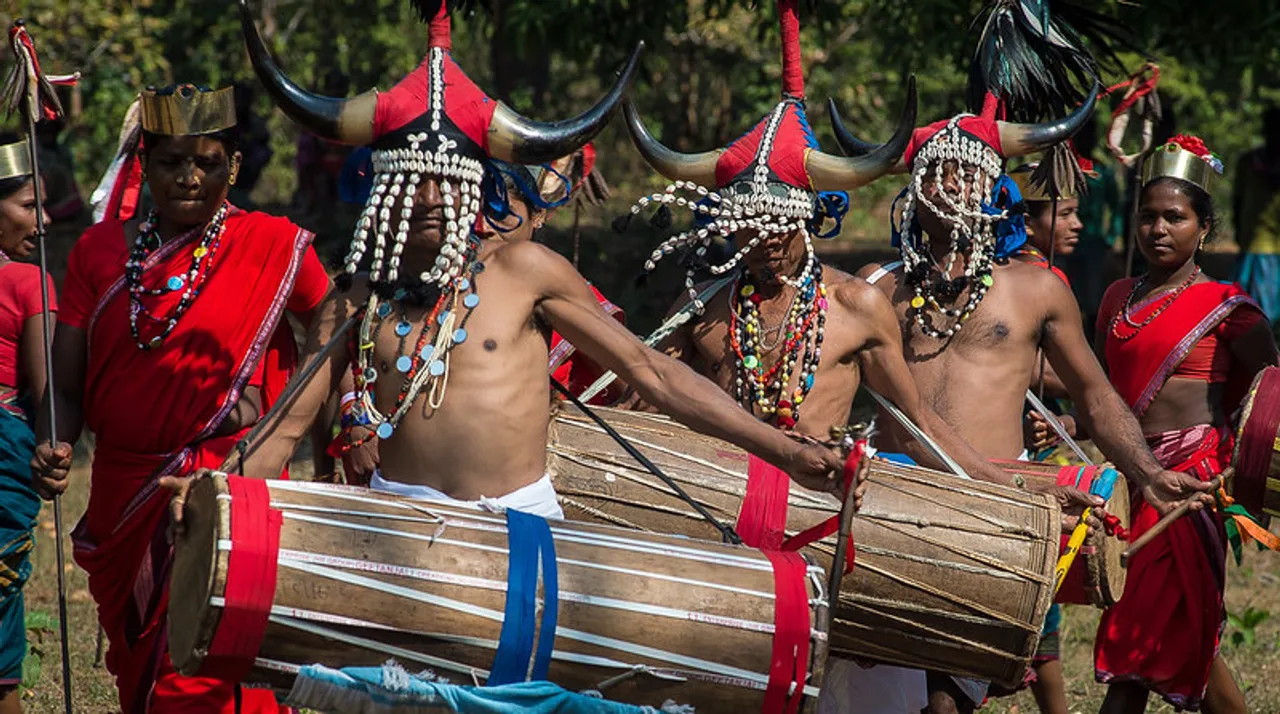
(1101, 410)
(678, 345)
(283, 431)
(885, 370)
(568, 307)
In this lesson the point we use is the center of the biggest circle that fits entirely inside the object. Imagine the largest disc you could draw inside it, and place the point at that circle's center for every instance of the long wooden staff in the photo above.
(31, 94)
(1168, 519)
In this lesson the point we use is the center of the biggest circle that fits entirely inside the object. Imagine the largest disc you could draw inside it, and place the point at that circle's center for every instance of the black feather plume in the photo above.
(1036, 57)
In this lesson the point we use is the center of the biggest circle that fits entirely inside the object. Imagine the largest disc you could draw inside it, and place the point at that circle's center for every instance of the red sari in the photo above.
(1164, 632)
(153, 414)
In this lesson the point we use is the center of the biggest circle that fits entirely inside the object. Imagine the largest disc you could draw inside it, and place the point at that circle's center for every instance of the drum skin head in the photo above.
(199, 573)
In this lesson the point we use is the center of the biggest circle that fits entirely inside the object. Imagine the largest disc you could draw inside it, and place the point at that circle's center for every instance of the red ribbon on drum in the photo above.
(251, 581)
(831, 526)
(762, 520)
(789, 667)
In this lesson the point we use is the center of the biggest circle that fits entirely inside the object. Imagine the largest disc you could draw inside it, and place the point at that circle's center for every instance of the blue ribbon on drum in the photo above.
(530, 545)
(389, 689)
(1104, 484)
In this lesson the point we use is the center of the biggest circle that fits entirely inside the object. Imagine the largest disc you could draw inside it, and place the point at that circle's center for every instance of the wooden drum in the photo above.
(1096, 577)
(951, 575)
(1256, 484)
(352, 578)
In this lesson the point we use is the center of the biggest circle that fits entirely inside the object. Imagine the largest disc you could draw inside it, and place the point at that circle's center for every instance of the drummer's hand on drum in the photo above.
(49, 469)
(819, 468)
(1166, 490)
(180, 486)
(1073, 502)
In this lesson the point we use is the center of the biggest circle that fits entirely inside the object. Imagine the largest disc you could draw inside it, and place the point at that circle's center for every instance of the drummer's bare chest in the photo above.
(482, 340)
(1003, 329)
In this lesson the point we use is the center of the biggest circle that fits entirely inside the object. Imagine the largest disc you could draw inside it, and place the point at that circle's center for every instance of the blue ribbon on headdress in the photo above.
(497, 199)
(833, 205)
(355, 181)
(1010, 233)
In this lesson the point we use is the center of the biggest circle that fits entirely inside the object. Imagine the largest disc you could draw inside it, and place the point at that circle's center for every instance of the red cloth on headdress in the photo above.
(792, 68)
(1193, 144)
(153, 413)
(465, 104)
(787, 158)
(982, 128)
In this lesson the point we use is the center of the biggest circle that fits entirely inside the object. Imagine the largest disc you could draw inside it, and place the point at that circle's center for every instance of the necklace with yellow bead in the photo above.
(804, 328)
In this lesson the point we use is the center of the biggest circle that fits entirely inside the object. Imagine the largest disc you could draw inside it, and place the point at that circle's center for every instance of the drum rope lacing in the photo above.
(727, 532)
(709, 669)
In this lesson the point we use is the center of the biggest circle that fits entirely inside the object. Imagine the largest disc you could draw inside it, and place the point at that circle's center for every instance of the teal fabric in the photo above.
(19, 507)
(390, 689)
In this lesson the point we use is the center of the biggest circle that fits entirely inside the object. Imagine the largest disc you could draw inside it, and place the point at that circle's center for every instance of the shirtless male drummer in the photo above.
(790, 338)
(451, 351)
(971, 334)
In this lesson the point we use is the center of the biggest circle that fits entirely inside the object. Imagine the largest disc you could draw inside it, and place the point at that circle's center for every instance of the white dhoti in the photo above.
(538, 498)
(850, 688)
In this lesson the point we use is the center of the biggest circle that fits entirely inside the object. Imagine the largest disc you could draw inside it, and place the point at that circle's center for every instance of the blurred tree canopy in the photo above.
(710, 71)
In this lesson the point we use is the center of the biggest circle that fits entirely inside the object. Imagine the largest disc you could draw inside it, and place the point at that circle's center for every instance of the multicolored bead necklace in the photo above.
(147, 242)
(804, 328)
(1126, 311)
(426, 366)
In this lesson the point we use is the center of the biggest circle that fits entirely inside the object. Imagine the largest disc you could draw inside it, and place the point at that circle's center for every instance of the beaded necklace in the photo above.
(804, 329)
(426, 366)
(190, 283)
(1136, 327)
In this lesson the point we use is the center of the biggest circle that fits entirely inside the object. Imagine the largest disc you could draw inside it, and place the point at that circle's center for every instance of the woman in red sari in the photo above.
(170, 344)
(1182, 350)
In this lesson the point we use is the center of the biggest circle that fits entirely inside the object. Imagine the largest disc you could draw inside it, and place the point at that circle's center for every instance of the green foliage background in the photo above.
(710, 71)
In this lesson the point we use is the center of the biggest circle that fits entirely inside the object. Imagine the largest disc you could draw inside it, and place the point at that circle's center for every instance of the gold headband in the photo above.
(1033, 190)
(1173, 161)
(188, 111)
(15, 160)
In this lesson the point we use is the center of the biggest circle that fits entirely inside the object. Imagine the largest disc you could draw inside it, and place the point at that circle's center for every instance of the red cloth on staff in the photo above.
(578, 372)
(154, 411)
(1164, 632)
